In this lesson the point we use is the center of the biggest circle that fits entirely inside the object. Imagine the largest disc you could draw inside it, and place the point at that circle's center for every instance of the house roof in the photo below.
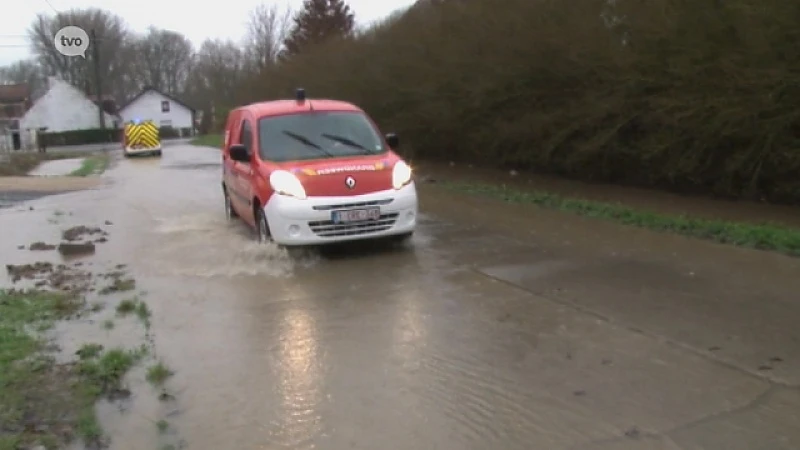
(13, 93)
(55, 79)
(147, 89)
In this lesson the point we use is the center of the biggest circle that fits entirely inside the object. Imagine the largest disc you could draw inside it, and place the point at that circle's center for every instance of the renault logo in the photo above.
(350, 182)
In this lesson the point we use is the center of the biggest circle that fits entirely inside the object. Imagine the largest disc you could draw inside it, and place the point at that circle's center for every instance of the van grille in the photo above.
(326, 228)
(385, 201)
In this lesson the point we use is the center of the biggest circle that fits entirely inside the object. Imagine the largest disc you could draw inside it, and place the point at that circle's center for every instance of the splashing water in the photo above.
(206, 245)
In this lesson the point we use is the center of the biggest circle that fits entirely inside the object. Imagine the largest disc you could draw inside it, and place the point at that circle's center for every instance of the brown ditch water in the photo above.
(645, 199)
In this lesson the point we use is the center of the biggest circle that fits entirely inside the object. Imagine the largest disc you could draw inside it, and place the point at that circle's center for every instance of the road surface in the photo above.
(500, 327)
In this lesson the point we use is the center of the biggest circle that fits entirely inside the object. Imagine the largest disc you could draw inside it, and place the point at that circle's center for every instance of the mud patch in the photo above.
(18, 187)
(55, 277)
(41, 246)
(75, 233)
(73, 249)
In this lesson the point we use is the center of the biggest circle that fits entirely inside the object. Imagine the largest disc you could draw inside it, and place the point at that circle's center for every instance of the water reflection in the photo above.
(409, 327)
(299, 378)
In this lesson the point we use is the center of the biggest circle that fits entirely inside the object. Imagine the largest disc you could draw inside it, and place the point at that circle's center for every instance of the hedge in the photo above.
(101, 136)
(688, 95)
(81, 137)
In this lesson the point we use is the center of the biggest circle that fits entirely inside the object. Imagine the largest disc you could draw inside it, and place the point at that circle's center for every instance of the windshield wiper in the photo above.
(306, 141)
(346, 141)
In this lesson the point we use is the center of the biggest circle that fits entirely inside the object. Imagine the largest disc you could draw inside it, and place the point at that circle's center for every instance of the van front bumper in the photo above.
(309, 222)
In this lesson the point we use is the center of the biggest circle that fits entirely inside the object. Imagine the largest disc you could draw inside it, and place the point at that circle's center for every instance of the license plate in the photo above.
(355, 215)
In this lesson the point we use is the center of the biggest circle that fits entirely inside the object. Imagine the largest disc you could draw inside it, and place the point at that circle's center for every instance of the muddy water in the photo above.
(384, 347)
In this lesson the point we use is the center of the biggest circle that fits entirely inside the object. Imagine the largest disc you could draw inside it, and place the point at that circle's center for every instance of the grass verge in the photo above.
(43, 402)
(19, 164)
(208, 140)
(767, 236)
(92, 165)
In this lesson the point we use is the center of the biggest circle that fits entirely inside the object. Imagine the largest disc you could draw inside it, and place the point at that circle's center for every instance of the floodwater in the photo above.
(496, 328)
(57, 167)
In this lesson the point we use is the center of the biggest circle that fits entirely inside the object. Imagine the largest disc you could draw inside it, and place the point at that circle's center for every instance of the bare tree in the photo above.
(23, 72)
(112, 39)
(267, 29)
(164, 59)
(216, 75)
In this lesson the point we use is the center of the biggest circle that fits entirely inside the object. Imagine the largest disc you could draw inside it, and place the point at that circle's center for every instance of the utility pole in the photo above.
(98, 81)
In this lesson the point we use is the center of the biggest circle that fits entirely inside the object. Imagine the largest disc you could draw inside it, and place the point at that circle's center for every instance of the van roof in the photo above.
(281, 107)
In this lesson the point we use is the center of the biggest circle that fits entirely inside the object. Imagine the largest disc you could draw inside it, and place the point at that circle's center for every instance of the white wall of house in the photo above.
(63, 108)
(149, 107)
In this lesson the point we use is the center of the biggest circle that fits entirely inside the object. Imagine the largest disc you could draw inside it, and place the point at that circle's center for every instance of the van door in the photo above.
(244, 172)
(230, 175)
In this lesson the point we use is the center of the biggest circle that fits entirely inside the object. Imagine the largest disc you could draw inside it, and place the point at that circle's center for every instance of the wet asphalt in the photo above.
(522, 332)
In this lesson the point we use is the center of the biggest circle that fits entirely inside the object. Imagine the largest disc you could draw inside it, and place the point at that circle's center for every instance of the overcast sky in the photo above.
(204, 20)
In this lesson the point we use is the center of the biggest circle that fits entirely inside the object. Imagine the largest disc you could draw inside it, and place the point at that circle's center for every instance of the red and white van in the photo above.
(307, 172)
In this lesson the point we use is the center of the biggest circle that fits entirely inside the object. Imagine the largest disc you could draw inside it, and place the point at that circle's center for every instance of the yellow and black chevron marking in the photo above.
(145, 134)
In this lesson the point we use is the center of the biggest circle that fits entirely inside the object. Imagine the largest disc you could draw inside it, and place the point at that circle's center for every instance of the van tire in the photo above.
(262, 227)
(230, 213)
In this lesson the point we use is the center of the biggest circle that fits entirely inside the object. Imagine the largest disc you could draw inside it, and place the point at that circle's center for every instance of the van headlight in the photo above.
(286, 183)
(401, 175)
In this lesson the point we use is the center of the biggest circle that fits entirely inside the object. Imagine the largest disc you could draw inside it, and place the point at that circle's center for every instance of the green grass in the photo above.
(39, 398)
(89, 351)
(105, 370)
(92, 165)
(162, 426)
(143, 313)
(135, 306)
(772, 237)
(208, 140)
(158, 373)
(127, 306)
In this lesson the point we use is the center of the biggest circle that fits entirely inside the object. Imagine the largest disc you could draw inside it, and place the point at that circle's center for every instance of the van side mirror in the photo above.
(393, 140)
(239, 153)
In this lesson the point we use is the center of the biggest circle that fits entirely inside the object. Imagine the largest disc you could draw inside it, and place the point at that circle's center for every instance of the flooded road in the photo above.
(537, 331)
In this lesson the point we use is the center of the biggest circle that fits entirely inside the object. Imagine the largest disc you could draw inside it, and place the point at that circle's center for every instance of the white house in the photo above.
(163, 109)
(63, 107)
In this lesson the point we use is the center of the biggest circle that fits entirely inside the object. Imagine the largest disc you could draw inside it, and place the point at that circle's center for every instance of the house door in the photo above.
(16, 140)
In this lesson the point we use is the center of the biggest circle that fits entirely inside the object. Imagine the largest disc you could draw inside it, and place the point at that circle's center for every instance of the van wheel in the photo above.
(230, 214)
(262, 227)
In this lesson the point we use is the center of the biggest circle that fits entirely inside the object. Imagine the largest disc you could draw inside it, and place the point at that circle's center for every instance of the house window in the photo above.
(165, 106)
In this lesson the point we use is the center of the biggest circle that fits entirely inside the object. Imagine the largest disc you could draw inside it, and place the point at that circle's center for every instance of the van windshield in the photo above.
(315, 135)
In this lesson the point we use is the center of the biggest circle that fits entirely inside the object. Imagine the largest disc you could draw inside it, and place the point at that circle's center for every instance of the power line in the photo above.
(51, 6)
